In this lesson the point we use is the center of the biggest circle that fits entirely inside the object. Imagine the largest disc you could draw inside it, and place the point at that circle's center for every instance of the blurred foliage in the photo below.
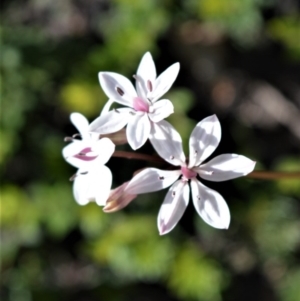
(53, 249)
(241, 19)
(285, 30)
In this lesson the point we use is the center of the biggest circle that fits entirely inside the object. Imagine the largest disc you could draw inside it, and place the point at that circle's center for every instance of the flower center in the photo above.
(139, 104)
(188, 173)
(84, 155)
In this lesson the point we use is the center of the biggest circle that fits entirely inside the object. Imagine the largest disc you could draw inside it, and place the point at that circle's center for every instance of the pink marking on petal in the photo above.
(188, 173)
(139, 104)
(163, 228)
(82, 155)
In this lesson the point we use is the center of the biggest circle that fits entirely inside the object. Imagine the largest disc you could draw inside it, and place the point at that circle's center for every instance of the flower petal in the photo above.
(164, 82)
(81, 123)
(226, 167)
(118, 199)
(138, 130)
(173, 206)
(106, 107)
(161, 110)
(117, 87)
(104, 148)
(204, 140)
(94, 185)
(210, 205)
(111, 122)
(152, 179)
(167, 142)
(146, 75)
(71, 150)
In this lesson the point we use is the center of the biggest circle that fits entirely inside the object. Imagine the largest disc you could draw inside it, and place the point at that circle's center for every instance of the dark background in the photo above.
(239, 59)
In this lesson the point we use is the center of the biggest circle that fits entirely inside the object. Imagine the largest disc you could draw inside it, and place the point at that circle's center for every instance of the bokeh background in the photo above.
(239, 59)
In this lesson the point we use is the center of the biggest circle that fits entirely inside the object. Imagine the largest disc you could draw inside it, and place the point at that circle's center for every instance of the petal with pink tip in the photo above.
(173, 207)
(210, 205)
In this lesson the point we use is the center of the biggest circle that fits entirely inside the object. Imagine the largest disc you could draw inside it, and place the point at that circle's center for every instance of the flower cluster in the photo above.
(143, 117)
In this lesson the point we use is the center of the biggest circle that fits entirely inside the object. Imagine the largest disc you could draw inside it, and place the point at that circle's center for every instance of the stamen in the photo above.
(173, 193)
(161, 178)
(172, 158)
(76, 135)
(84, 173)
(68, 139)
(198, 197)
(116, 110)
(132, 113)
(149, 85)
(120, 91)
(73, 177)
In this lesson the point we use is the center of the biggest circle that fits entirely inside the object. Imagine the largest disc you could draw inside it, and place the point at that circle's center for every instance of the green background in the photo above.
(239, 59)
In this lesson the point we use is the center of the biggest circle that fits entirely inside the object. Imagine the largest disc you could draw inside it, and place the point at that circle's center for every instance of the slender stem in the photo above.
(273, 175)
(259, 174)
(137, 156)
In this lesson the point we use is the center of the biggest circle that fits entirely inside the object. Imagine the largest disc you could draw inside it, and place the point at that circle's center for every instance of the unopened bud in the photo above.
(118, 199)
(117, 138)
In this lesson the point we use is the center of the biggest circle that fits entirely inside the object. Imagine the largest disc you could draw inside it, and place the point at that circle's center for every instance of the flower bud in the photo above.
(117, 138)
(118, 199)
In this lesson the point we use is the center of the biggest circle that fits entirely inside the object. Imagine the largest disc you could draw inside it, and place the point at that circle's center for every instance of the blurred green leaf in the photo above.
(194, 276)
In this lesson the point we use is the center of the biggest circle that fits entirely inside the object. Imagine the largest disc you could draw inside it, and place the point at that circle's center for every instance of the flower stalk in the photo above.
(258, 174)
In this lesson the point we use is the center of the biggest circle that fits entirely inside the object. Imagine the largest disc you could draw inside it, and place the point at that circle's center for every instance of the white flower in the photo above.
(144, 107)
(93, 179)
(209, 204)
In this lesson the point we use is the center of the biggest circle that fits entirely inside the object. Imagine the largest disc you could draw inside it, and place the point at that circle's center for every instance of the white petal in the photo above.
(94, 185)
(117, 87)
(81, 123)
(103, 185)
(226, 167)
(204, 140)
(210, 205)
(138, 130)
(74, 149)
(173, 207)
(80, 189)
(164, 82)
(104, 148)
(167, 142)
(146, 75)
(161, 110)
(106, 107)
(112, 121)
(152, 179)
